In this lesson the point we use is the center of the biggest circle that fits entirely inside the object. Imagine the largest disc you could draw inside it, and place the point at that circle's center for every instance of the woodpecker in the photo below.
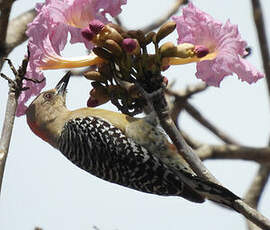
(132, 152)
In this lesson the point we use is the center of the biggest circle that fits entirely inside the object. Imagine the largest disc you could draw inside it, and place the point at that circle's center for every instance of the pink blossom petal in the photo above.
(246, 71)
(210, 72)
(200, 29)
(112, 7)
(48, 36)
(69, 16)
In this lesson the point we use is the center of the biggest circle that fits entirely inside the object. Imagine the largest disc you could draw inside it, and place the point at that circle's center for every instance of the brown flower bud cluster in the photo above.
(127, 60)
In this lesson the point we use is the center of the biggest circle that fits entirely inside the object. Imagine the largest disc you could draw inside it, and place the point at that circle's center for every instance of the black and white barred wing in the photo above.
(103, 150)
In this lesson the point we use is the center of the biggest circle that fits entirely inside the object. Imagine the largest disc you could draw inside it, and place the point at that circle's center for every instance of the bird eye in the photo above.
(48, 96)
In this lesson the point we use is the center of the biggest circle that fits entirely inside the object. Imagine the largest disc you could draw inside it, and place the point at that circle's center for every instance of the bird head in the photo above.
(46, 108)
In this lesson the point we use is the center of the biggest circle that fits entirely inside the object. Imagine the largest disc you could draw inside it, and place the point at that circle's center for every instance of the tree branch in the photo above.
(158, 104)
(7, 130)
(165, 17)
(16, 33)
(255, 190)
(5, 8)
(181, 101)
(259, 22)
(257, 187)
(260, 155)
(181, 97)
(196, 114)
(15, 87)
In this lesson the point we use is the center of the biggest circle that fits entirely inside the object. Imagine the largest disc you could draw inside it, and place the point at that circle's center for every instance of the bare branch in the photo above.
(5, 8)
(16, 29)
(196, 114)
(7, 131)
(181, 97)
(16, 33)
(253, 195)
(15, 87)
(257, 187)
(260, 155)
(259, 22)
(255, 191)
(165, 17)
(252, 215)
(181, 102)
(188, 92)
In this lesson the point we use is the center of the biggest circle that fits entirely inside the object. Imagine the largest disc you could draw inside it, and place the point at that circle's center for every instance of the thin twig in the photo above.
(259, 22)
(182, 96)
(181, 101)
(165, 17)
(187, 92)
(17, 28)
(5, 7)
(15, 87)
(262, 176)
(16, 33)
(254, 193)
(255, 190)
(196, 114)
(253, 215)
(7, 130)
(260, 155)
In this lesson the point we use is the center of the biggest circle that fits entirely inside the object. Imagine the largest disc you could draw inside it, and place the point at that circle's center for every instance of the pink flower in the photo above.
(48, 37)
(225, 45)
(70, 16)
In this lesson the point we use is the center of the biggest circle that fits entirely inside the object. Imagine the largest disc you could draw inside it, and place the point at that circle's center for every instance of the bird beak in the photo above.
(62, 84)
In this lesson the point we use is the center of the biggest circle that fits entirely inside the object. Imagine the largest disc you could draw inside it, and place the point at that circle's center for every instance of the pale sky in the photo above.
(42, 188)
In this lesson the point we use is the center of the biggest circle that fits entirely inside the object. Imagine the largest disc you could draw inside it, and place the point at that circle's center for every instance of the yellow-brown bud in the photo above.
(168, 49)
(113, 46)
(183, 50)
(165, 30)
(149, 37)
(102, 53)
(94, 76)
(108, 33)
(105, 71)
(116, 27)
(98, 96)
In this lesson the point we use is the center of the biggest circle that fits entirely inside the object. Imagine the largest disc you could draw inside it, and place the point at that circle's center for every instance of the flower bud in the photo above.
(131, 46)
(109, 33)
(96, 26)
(168, 49)
(103, 53)
(185, 50)
(165, 30)
(113, 46)
(116, 27)
(105, 71)
(94, 76)
(87, 33)
(92, 102)
(98, 96)
(201, 51)
(149, 37)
